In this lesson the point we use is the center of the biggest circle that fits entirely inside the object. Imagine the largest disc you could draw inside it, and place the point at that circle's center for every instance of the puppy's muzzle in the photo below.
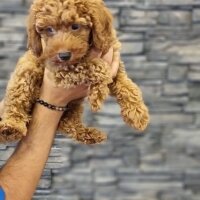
(65, 56)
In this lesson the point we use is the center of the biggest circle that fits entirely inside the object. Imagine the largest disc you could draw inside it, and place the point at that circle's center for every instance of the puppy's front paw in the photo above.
(11, 131)
(95, 105)
(136, 116)
(92, 136)
(97, 96)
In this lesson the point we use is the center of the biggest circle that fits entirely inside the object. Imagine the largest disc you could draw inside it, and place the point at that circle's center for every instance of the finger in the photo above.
(47, 73)
(115, 63)
(108, 57)
(48, 79)
(95, 53)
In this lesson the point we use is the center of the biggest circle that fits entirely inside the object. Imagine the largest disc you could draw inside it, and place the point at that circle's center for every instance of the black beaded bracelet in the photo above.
(50, 106)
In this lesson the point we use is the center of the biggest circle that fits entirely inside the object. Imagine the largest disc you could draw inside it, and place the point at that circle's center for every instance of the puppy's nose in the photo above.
(65, 56)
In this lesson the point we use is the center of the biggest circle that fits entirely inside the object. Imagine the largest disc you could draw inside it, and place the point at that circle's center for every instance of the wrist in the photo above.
(54, 95)
(42, 114)
(51, 106)
(56, 100)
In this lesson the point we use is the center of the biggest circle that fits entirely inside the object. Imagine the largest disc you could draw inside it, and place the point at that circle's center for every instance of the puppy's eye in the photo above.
(50, 31)
(75, 27)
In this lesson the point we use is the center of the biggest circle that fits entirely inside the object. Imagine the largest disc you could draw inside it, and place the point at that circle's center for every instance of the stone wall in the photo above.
(161, 42)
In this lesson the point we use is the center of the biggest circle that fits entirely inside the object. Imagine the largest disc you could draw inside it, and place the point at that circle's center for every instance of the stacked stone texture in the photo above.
(161, 50)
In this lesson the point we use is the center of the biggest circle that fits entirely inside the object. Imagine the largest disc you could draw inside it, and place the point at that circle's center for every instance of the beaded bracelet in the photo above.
(50, 106)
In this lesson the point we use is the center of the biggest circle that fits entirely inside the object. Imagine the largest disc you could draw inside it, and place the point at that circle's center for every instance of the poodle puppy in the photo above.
(60, 35)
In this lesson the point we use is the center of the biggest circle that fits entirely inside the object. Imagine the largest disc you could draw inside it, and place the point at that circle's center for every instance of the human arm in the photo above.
(20, 175)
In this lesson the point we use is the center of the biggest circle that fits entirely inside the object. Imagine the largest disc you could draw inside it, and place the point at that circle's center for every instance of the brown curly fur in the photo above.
(95, 30)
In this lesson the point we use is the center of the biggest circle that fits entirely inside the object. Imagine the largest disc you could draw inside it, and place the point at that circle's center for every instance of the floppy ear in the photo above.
(102, 31)
(34, 39)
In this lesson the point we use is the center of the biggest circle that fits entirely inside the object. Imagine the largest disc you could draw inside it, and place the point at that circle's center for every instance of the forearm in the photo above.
(21, 174)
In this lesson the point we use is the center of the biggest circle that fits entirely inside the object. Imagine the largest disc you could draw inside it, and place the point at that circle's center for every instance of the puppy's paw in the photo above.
(95, 106)
(97, 96)
(11, 130)
(136, 116)
(95, 102)
(92, 136)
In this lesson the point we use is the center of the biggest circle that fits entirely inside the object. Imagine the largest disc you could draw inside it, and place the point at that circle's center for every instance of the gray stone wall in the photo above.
(161, 50)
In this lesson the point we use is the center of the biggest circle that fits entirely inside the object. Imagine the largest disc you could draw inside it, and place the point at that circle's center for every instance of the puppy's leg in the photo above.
(100, 78)
(20, 95)
(71, 125)
(97, 95)
(129, 96)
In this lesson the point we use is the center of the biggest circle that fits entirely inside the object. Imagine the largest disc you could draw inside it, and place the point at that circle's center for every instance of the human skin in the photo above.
(21, 173)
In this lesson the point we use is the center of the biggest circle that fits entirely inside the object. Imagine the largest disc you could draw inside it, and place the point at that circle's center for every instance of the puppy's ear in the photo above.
(34, 39)
(102, 31)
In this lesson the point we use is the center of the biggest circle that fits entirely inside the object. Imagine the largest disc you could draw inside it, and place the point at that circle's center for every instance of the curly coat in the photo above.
(75, 26)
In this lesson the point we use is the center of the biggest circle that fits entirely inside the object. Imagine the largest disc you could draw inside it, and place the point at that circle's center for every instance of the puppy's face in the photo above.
(61, 32)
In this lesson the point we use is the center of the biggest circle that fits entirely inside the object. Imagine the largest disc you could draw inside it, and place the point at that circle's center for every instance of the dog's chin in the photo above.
(57, 65)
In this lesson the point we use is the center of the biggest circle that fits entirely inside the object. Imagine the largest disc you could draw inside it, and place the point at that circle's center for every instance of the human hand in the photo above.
(112, 58)
(61, 96)
(57, 95)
